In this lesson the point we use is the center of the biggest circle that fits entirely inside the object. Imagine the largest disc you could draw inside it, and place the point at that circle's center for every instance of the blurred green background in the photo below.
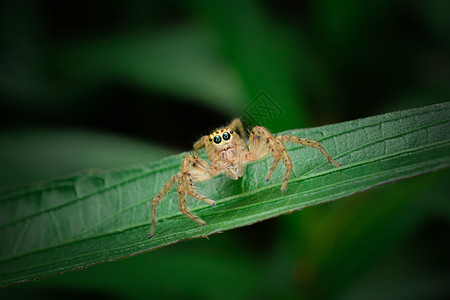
(104, 84)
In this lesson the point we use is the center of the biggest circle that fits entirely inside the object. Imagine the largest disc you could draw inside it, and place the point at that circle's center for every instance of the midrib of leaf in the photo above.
(224, 204)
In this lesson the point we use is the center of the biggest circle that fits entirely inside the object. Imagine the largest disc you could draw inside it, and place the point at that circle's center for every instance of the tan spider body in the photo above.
(227, 154)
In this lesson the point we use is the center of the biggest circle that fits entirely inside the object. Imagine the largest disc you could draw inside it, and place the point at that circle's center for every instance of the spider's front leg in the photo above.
(310, 143)
(193, 168)
(158, 198)
(261, 143)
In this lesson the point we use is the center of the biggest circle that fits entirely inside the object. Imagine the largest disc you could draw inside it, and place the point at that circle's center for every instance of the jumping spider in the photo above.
(228, 154)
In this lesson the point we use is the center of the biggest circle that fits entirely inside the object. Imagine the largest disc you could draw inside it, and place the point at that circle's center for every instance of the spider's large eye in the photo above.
(217, 139)
(226, 136)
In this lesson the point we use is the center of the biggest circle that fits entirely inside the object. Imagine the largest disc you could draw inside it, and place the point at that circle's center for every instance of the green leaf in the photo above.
(179, 60)
(247, 36)
(95, 217)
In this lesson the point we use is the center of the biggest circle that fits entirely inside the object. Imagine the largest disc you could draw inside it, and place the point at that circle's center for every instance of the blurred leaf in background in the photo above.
(29, 155)
(108, 83)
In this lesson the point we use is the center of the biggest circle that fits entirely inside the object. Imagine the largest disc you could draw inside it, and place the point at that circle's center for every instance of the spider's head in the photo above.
(222, 136)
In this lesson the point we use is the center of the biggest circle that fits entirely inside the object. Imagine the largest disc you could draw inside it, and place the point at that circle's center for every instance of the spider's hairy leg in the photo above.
(261, 142)
(241, 164)
(193, 169)
(158, 198)
(200, 144)
(310, 143)
(236, 125)
(183, 204)
(191, 192)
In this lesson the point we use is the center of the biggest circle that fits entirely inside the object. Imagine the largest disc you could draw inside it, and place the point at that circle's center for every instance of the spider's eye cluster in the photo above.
(218, 136)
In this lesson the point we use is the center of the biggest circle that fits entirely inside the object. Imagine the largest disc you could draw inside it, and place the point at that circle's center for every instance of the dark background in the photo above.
(104, 84)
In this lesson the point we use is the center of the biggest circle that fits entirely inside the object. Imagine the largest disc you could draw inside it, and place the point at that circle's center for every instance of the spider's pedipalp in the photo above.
(196, 168)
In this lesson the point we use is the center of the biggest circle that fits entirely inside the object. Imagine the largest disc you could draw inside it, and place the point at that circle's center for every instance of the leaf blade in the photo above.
(97, 217)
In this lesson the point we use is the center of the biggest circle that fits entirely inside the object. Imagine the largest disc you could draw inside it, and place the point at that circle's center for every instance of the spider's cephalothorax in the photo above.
(225, 145)
(228, 154)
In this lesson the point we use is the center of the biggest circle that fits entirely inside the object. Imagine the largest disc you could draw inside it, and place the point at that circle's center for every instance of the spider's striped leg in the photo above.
(241, 161)
(158, 198)
(200, 144)
(236, 124)
(183, 204)
(310, 143)
(193, 169)
(262, 142)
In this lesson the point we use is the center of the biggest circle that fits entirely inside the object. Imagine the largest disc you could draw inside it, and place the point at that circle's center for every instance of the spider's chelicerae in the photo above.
(228, 154)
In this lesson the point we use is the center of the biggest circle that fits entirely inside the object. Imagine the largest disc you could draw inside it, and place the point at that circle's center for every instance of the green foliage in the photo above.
(58, 152)
(95, 217)
(143, 69)
(152, 60)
